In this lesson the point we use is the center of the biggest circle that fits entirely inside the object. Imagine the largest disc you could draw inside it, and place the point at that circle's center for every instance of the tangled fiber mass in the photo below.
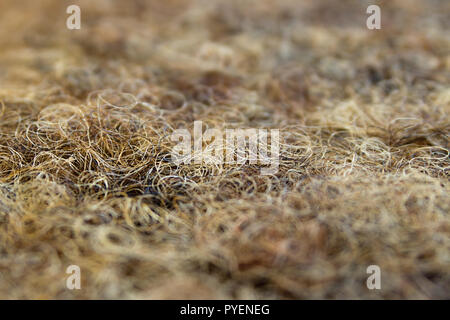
(87, 179)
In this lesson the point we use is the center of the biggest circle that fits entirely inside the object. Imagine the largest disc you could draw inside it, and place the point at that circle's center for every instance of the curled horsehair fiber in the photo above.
(350, 171)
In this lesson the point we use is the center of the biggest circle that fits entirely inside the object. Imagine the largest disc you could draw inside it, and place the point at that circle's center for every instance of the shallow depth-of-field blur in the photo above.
(87, 179)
